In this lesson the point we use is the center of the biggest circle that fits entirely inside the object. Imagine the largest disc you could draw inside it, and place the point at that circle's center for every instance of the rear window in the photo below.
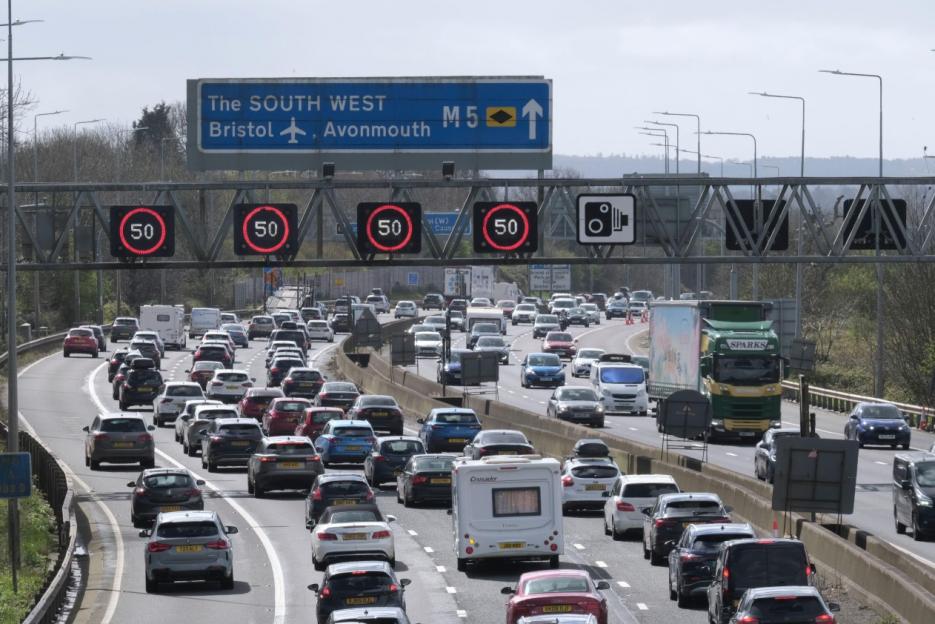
(648, 490)
(305, 375)
(595, 472)
(184, 391)
(187, 529)
(125, 322)
(359, 515)
(262, 320)
(290, 448)
(787, 609)
(211, 414)
(401, 447)
(337, 488)
(211, 349)
(319, 418)
(766, 565)
(360, 582)
(288, 334)
(291, 406)
(232, 376)
(428, 464)
(694, 505)
(712, 543)
(557, 584)
(506, 437)
(85, 333)
(318, 324)
(353, 432)
(378, 401)
(123, 425)
(207, 366)
(144, 377)
(490, 341)
(245, 428)
(456, 419)
(168, 481)
(342, 387)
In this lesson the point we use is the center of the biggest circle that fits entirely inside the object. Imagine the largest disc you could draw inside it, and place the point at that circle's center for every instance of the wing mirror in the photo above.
(834, 607)
(421, 421)
(200, 482)
(390, 518)
(85, 429)
(728, 508)
(507, 591)
(647, 511)
(602, 585)
(131, 483)
(314, 587)
(151, 428)
(905, 484)
(230, 530)
(404, 582)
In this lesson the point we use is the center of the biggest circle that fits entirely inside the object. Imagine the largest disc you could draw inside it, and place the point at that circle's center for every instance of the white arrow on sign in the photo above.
(532, 110)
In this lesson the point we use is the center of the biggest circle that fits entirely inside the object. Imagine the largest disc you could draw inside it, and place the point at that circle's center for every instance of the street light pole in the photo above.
(879, 380)
(657, 132)
(697, 133)
(675, 270)
(35, 177)
(77, 219)
(790, 97)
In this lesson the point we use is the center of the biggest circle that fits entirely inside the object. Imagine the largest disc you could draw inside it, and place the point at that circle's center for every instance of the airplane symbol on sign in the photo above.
(292, 130)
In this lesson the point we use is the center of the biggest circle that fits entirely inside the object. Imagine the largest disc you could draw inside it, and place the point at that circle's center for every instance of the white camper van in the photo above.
(507, 507)
(204, 320)
(166, 320)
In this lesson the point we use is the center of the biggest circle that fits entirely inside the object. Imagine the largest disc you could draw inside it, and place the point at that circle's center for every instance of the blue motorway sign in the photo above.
(441, 223)
(370, 123)
(15, 475)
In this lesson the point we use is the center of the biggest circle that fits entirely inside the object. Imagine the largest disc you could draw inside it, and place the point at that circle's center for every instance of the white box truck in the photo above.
(204, 320)
(476, 315)
(166, 320)
(507, 507)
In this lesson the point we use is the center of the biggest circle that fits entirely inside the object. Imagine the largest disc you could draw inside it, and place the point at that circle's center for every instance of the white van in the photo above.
(620, 384)
(507, 507)
(204, 320)
(166, 320)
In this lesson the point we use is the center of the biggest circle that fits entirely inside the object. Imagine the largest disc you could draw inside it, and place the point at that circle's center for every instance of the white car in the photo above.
(481, 302)
(352, 532)
(219, 335)
(581, 364)
(594, 312)
(436, 323)
(562, 305)
(379, 302)
(228, 385)
(167, 405)
(320, 330)
(525, 313)
(586, 481)
(154, 337)
(428, 344)
(405, 309)
(630, 494)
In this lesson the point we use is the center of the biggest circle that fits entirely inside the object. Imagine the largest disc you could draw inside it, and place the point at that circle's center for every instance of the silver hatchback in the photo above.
(188, 545)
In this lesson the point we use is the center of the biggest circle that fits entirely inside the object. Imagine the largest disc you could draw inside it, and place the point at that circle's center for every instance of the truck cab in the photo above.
(620, 384)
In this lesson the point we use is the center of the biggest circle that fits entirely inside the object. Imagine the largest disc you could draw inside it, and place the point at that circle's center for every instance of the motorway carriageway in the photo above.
(874, 500)
(272, 560)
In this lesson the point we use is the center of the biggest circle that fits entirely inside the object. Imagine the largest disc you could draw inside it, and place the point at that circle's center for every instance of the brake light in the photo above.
(379, 458)
(824, 618)
(144, 437)
(267, 458)
(157, 547)
(325, 592)
(326, 537)
(625, 506)
(416, 480)
(380, 534)
(369, 496)
(198, 353)
(114, 361)
(664, 523)
(394, 587)
(193, 492)
(808, 570)
(220, 544)
(246, 384)
(216, 439)
(748, 619)
(274, 370)
(688, 557)
(316, 495)
(567, 481)
(140, 491)
(101, 436)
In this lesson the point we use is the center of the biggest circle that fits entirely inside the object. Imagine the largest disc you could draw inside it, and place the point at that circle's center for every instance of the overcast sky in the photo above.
(612, 62)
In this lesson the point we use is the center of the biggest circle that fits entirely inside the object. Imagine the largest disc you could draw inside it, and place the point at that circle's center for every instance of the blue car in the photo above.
(449, 373)
(448, 429)
(345, 442)
(542, 369)
(878, 423)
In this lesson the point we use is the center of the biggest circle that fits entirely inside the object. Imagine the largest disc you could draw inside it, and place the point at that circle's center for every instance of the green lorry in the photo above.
(727, 351)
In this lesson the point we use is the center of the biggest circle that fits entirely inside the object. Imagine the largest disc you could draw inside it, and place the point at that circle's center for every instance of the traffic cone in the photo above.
(644, 317)
(775, 526)
(629, 317)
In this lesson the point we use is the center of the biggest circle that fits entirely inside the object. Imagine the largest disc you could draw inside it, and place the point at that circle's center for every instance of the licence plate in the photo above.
(355, 536)
(887, 436)
(123, 444)
(595, 487)
(457, 440)
(511, 545)
(240, 443)
(188, 548)
(168, 508)
(747, 434)
(343, 501)
(291, 464)
(556, 608)
(144, 389)
(380, 414)
(440, 481)
(351, 448)
(233, 387)
(360, 600)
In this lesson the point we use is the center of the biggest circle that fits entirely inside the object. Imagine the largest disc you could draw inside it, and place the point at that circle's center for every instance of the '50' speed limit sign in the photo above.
(142, 231)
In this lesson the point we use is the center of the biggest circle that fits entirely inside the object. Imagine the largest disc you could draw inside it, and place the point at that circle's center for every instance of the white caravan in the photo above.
(166, 320)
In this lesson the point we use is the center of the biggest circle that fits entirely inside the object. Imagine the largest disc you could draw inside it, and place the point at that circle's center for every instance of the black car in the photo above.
(663, 522)
(341, 394)
(358, 584)
(433, 301)
(335, 488)
(116, 359)
(302, 382)
(425, 478)
(340, 323)
(388, 457)
(691, 562)
(296, 335)
(764, 457)
(577, 316)
(482, 329)
(279, 368)
(123, 328)
(159, 490)
(142, 385)
(149, 349)
(617, 308)
(381, 411)
(458, 304)
(750, 563)
(498, 442)
(229, 441)
(98, 332)
(913, 493)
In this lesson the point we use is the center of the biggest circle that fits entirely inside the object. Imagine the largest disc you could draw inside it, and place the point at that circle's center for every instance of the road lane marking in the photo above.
(579, 546)
(411, 532)
(461, 613)
(279, 586)
(632, 428)
(623, 584)
(731, 454)
(440, 569)
(642, 606)
(428, 549)
(451, 590)
(600, 564)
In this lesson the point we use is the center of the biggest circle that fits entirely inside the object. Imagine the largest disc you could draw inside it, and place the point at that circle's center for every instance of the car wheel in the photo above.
(681, 597)
(94, 465)
(249, 486)
(553, 562)
(212, 467)
(407, 501)
(94, 354)
(399, 499)
(905, 446)
(672, 593)
(462, 564)
(916, 531)
(66, 354)
(87, 460)
(258, 492)
(606, 528)
(152, 587)
(900, 527)
(769, 475)
(228, 582)
(123, 406)
(645, 550)
(114, 395)
(318, 565)
(617, 535)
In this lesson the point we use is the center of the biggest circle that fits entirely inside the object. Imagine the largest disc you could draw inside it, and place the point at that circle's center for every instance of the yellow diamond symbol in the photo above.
(501, 116)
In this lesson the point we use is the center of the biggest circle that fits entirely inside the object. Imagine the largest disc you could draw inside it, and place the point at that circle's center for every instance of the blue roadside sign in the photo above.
(441, 223)
(370, 123)
(15, 475)
(412, 278)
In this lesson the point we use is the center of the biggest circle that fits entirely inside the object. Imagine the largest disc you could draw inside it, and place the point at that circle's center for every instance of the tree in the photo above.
(158, 123)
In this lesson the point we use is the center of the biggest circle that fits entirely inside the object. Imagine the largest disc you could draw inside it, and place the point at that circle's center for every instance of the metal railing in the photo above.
(837, 401)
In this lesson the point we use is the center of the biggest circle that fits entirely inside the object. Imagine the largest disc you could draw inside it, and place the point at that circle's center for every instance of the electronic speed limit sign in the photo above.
(142, 231)
(265, 229)
(391, 228)
(506, 227)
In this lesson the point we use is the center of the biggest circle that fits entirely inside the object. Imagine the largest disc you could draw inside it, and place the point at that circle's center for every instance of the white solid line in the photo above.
(579, 546)
(642, 606)
(279, 586)
(623, 584)
(632, 428)
(428, 549)
(440, 569)
(451, 590)
(411, 532)
(600, 564)
(461, 613)
(731, 454)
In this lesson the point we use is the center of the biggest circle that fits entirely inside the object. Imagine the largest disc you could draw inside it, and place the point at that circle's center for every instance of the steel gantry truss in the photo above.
(821, 236)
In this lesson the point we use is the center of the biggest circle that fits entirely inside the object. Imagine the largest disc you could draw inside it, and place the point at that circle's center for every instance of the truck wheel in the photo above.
(553, 562)
(462, 565)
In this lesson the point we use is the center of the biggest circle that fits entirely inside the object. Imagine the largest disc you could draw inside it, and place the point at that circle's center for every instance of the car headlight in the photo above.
(870, 427)
(599, 409)
(606, 392)
(924, 500)
(717, 422)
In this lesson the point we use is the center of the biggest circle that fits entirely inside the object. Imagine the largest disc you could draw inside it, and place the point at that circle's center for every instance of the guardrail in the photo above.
(837, 401)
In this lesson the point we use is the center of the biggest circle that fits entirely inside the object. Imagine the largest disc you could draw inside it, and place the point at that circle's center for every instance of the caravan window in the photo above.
(162, 318)
(516, 502)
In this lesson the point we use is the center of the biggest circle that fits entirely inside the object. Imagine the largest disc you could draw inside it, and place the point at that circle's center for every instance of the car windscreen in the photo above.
(925, 474)
(647, 490)
(377, 401)
(181, 530)
(485, 328)
(546, 319)
(787, 609)
(290, 448)
(353, 432)
(239, 429)
(491, 341)
(544, 360)
(184, 391)
(144, 377)
(693, 506)
(169, 480)
(402, 447)
(455, 418)
(576, 394)
(621, 374)
(880, 412)
(751, 370)
(211, 414)
(291, 406)
(432, 464)
(84, 333)
(358, 515)
(342, 387)
(595, 472)
(768, 565)
(305, 375)
(123, 425)
(711, 542)
(557, 585)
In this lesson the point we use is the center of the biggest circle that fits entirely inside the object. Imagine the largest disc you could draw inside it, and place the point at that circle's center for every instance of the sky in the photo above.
(612, 63)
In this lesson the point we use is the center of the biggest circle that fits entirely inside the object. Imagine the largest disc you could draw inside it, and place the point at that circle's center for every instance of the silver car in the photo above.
(594, 312)
(576, 404)
(495, 344)
(185, 416)
(119, 438)
(188, 545)
(174, 395)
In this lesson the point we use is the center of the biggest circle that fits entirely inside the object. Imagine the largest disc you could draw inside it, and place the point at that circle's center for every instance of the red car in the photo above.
(283, 414)
(256, 400)
(507, 306)
(559, 343)
(80, 340)
(315, 418)
(555, 592)
(212, 353)
(203, 372)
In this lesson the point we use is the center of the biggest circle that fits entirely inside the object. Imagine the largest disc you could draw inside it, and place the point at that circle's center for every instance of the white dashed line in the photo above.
(579, 546)
(731, 454)
(881, 463)
(632, 428)
(428, 549)
(451, 590)
(461, 613)
(511, 392)
(440, 569)
(411, 532)
(642, 606)
(623, 584)
(600, 564)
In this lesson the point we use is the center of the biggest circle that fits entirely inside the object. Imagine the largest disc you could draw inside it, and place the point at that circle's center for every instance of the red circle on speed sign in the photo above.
(283, 237)
(405, 238)
(520, 217)
(123, 232)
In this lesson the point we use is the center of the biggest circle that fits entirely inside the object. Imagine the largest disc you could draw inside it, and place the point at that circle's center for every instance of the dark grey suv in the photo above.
(229, 441)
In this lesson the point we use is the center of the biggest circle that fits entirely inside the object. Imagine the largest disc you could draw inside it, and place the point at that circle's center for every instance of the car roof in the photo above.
(237, 421)
(706, 529)
(395, 438)
(364, 614)
(563, 573)
(121, 415)
(341, 476)
(452, 410)
(287, 438)
(149, 472)
(785, 590)
(182, 383)
(647, 478)
(346, 422)
(763, 541)
(353, 566)
(187, 516)
(688, 496)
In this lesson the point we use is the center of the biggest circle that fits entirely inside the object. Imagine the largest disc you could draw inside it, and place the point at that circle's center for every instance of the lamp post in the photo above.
(35, 178)
(677, 146)
(657, 132)
(697, 134)
(790, 97)
(674, 269)
(77, 218)
(879, 381)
